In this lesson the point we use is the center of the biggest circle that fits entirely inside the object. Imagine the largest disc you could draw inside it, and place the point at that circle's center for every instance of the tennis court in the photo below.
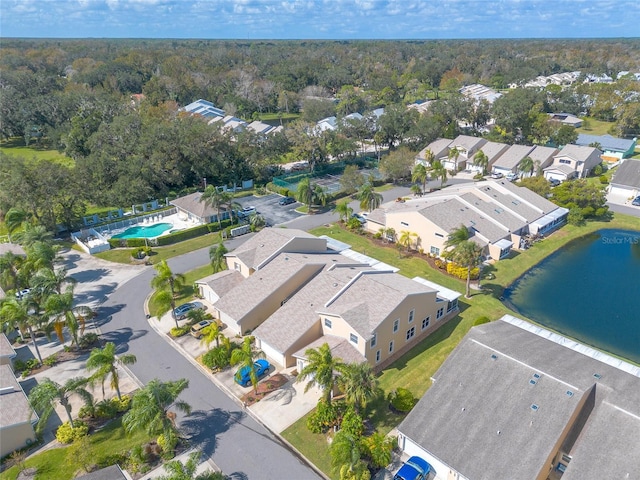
(329, 181)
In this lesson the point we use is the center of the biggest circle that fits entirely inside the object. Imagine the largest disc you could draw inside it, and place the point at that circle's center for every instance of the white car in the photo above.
(246, 212)
(512, 177)
(496, 175)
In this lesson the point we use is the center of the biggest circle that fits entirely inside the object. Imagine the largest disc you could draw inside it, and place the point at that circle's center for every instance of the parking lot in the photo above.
(268, 207)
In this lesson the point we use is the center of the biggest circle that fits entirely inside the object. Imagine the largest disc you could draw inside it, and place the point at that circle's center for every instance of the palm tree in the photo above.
(527, 166)
(13, 219)
(320, 369)
(150, 408)
(16, 314)
(439, 172)
(246, 357)
(416, 189)
(40, 255)
(60, 308)
(379, 448)
(10, 266)
(210, 333)
(481, 160)
(359, 384)
(217, 256)
(467, 254)
(256, 221)
(345, 453)
(48, 280)
(459, 235)
(405, 238)
(215, 199)
(343, 210)
(33, 234)
(304, 192)
(420, 174)
(369, 198)
(454, 153)
(187, 471)
(167, 283)
(105, 362)
(45, 395)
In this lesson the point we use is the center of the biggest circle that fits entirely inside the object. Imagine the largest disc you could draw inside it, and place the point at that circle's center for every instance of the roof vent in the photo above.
(597, 375)
(335, 284)
(494, 357)
(532, 381)
(534, 407)
(536, 375)
(569, 393)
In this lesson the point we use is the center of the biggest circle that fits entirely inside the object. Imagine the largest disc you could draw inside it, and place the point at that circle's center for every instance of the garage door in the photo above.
(272, 353)
(442, 470)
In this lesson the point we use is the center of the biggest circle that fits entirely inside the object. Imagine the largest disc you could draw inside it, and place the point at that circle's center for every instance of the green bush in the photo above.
(352, 423)
(183, 235)
(481, 321)
(604, 180)
(51, 360)
(105, 409)
(19, 365)
(119, 458)
(325, 416)
(88, 340)
(168, 444)
(176, 332)
(65, 434)
(402, 399)
(33, 363)
(354, 224)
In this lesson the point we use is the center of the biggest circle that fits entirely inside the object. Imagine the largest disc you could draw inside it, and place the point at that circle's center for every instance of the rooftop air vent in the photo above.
(532, 381)
(536, 375)
(597, 375)
(494, 357)
(569, 393)
(534, 407)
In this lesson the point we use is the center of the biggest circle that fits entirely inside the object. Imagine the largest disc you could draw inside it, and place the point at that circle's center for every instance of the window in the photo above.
(396, 323)
(411, 314)
(374, 340)
(377, 356)
(404, 224)
(353, 338)
(440, 313)
(453, 304)
(391, 346)
(567, 162)
(327, 323)
(425, 322)
(439, 235)
(410, 333)
(236, 266)
(435, 250)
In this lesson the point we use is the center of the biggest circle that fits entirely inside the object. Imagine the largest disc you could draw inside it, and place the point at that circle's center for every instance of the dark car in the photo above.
(636, 201)
(287, 201)
(415, 468)
(243, 376)
(554, 182)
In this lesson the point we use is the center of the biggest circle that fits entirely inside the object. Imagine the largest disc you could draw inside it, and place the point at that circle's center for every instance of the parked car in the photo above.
(415, 468)
(181, 311)
(246, 212)
(512, 177)
(360, 218)
(196, 330)
(496, 175)
(636, 201)
(243, 376)
(22, 293)
(287, 201)
(554, 182)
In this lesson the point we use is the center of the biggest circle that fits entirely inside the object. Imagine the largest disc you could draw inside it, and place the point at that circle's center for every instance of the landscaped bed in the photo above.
(264, 388)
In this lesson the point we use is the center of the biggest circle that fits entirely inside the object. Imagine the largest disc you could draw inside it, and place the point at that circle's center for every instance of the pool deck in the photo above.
(175, 220)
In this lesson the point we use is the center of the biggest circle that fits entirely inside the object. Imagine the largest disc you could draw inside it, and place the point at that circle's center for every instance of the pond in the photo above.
(589, 290)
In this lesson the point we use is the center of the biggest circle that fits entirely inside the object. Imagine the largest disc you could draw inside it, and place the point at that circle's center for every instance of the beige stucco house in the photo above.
(7, 353)
(16, 415)
(573, 161)
(496, 213)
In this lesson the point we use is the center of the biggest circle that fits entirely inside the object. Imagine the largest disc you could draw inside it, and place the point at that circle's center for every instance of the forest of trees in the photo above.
(75, 96)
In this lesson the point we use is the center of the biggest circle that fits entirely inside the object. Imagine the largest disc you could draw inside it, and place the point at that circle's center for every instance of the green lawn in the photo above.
(16, 148)
(123, 255)
(55, 464)
(415, 369)
(285, 117)
(595, 127)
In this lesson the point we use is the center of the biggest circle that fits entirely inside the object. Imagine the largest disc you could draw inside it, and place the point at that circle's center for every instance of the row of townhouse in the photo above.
(294, 291)
(497, 214)
(218, 116)
(462, 153)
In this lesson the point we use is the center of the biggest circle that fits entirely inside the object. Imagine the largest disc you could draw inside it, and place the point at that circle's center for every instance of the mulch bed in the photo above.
(264, 388)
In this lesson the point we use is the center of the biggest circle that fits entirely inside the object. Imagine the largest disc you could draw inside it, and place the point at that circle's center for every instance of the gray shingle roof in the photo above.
(15, 406)
(222, 282)
(494, 211)
(566, 169)
(467, 142)
(513, 156)
(526, 195)
(6, 350)
(192, 203)
(607, 142)
(439, 148)
(112, 472)
(493, 150)
(542, 154)
(340, 348)
(478, 417)
(577, 152)
(628, 174)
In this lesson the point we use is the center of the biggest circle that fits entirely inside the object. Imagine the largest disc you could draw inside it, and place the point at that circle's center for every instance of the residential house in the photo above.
(542, 157)
(460, 151)
(516, 401)
(492, 150)
(112, 472)
(17, 418)
(626, 180)
(7, 353)
(298, 290)
(263, 128)
(192, 208)
(613, 149)
(329, 123)
(573, 161)
(480, 92)
(497, 215)
(510, 160)
(422, 106)
(438, 148)
(204, 108)
(566, 119)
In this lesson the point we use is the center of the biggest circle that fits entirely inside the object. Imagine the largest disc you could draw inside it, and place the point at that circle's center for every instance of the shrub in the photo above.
(33, 363)
(217, 358)
(440, 263)
(354, 224)
(575, 217)
(88, 340)
(20, 365)
(481, 321)
(183, 235)
(106, 409)
(119, 458)
(352, 423)
(51, 360)
(168, 444)
(325, 416)
(65, 434)
(402, 399)
(122, 405)
(138, 253)
(179, 331)
(461, 272)
(603, 179)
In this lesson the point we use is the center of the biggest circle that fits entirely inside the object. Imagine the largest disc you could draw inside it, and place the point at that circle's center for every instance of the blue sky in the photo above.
(319, 19)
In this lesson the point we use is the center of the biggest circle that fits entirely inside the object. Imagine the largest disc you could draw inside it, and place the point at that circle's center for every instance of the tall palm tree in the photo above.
(16, 314)
(104, 362)
(60, 309)
(527, 166)
(210, 334)
(246, 357)
(481, 160)
(405, 238)
(168, 283)
(256, 221)
(33, 234)
(467, 254)
(150, 408)
(459, 235)
(10, 266)
(359, 384)
(216, 255)
(343, 210)
(439, 172)
(215, 199)
(421, 174)
(304, 191)
(13, 219)
(45, 395)
(369, 198)
(320, 370)
(51, 281)
(454, 154)
(40, 255)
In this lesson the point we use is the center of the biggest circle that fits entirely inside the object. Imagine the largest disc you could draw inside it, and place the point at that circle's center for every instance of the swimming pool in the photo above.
(150, 231)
